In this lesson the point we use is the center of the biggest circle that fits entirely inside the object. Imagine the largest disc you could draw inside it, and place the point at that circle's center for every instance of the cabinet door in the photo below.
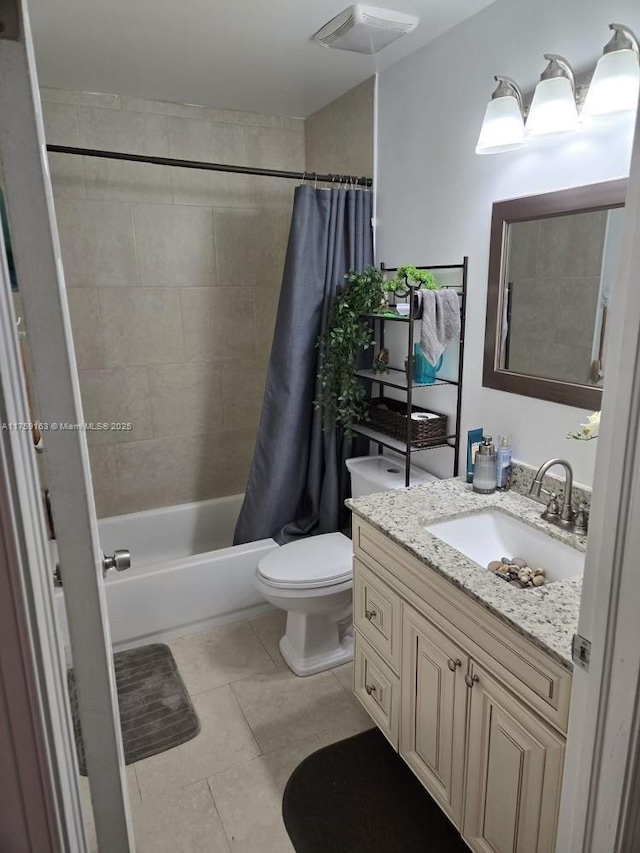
(434, 698)
(514, 772)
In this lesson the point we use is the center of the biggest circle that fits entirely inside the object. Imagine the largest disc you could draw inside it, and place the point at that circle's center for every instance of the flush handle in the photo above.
(454, 664)
(120, 560)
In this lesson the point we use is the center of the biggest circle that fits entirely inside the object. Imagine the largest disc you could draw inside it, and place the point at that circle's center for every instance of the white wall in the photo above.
(435, 194)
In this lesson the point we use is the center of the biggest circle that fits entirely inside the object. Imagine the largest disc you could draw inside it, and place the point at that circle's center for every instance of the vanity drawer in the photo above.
(378, 689)
(377, 614)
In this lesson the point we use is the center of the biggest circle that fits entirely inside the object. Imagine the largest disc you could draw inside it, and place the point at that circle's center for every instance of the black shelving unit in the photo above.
(398, 378)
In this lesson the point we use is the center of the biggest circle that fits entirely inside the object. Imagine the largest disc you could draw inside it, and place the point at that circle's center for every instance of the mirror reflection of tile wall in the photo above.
(560, 273)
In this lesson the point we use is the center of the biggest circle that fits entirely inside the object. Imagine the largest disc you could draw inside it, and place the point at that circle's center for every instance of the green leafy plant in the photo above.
(413, 276)
(341, 396)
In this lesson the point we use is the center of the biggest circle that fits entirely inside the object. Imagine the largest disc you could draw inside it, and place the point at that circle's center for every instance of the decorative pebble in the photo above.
(506, 560)
(538, 580)
(524, 576)
(494, 565)
(538, 571)
(518, 561)
(516, 583)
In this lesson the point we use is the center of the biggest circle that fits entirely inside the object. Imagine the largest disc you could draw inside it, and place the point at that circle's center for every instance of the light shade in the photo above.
(553, 108)
(615, 85)
(502, 128)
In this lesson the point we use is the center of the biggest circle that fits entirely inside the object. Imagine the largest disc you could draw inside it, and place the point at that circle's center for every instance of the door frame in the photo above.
(603, 755)
(36, 251)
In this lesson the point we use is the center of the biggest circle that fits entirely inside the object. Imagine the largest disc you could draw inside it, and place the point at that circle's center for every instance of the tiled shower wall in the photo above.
(173, 278)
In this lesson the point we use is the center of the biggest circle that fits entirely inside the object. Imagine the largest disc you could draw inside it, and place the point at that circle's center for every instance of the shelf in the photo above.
(400, 446)
(395, 318)
(398, 379)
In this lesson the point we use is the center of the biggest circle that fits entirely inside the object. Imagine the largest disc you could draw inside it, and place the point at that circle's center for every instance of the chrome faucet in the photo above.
(565, 516)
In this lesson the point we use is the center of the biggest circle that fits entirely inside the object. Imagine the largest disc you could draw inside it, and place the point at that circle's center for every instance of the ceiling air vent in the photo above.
(365, 29)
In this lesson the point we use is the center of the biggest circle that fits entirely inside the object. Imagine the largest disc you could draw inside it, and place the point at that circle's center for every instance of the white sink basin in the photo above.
(490, 535)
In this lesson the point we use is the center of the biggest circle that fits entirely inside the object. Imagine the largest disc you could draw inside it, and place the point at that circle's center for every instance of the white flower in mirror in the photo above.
(588, 430)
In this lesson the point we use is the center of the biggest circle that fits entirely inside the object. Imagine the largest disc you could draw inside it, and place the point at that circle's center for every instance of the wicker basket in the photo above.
(390, 417)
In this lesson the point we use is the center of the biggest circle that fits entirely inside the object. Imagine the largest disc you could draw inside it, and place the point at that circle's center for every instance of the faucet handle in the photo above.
(553, 507)
(581, 519)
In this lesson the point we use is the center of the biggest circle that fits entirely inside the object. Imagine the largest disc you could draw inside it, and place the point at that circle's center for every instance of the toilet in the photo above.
(312, 578)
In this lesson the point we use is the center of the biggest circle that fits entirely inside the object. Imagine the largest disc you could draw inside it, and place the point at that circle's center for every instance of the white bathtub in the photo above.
(185, 574)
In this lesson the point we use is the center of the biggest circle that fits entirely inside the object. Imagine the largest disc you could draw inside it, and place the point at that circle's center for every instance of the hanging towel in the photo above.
(440, 322)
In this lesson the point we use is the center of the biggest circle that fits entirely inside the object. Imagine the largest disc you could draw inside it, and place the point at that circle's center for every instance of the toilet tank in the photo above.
(370, 474)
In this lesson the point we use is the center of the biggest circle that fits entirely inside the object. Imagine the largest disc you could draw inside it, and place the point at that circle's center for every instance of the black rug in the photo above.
(359, 795)
(155, 709)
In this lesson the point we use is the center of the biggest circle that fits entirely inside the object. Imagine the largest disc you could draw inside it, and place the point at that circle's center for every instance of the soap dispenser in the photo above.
(484, 469)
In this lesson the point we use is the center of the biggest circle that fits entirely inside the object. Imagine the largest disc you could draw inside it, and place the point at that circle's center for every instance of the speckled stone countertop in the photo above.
(546, 615)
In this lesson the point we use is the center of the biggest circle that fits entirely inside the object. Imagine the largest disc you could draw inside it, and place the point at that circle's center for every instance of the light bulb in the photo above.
(503, 126)
(615, 85)
(553, 108)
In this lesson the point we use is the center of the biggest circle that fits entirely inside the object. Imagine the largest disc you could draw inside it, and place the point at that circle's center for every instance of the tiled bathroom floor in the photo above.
(222, 791)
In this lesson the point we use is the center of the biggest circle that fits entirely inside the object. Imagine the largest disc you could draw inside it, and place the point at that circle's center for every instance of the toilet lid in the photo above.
(314, 562)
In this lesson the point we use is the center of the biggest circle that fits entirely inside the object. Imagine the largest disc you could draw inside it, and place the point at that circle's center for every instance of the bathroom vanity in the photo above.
(468, 677)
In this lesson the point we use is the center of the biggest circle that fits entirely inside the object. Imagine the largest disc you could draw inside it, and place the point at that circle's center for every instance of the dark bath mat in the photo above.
(358, 796)
(155, 709)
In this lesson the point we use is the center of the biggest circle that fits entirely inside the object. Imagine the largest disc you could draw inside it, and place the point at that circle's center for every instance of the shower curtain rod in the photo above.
(211, 167)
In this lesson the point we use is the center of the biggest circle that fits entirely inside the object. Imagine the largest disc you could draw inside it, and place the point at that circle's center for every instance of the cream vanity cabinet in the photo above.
(476, 711)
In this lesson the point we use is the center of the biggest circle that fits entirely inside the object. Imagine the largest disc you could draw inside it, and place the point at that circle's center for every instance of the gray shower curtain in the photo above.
(298, 481)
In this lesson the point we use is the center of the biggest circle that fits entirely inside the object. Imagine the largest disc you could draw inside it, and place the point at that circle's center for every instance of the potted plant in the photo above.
(341, 395)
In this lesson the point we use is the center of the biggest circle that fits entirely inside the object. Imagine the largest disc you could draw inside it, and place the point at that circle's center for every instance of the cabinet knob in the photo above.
(454, 664)
(470, 680)
(370, 688)
(370, 614)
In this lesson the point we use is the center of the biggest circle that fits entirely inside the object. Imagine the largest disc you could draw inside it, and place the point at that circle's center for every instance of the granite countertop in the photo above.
(546, 615)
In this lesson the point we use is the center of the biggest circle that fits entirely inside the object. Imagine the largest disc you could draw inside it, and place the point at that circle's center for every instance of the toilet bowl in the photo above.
(312, 578)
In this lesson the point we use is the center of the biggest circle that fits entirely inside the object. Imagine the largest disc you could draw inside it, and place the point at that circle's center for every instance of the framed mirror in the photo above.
(552, 268)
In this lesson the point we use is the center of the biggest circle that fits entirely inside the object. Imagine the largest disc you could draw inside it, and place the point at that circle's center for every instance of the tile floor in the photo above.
(222, 791)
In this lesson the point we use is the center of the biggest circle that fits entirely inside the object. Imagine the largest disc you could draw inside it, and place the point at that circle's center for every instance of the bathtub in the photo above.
(185, 575)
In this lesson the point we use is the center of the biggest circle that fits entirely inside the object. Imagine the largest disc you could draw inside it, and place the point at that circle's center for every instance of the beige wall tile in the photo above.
(572, 245)
(218, 323)
(296, 124)
(243, 389)
(122, 130)
(211, 142)
(67, 176)
(142, 105)
(167, 471)
(275, 148)
(87, 328)
(97, 242)
(123, 181)
(186, 399)
(60, 124)
(174, 244)
(236, 117)
(339, 137)
(106, 486)
(266, 301)
(273, 192)
(116, 395)
(91, 99)
(185, 820)
(142, 325)
(251, 246)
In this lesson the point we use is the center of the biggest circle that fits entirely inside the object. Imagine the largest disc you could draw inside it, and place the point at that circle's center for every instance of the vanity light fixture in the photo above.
(615, 84)
(553, 108)
(503, 125)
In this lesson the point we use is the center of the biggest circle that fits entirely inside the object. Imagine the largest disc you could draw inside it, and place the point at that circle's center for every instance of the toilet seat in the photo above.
(316, 562)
